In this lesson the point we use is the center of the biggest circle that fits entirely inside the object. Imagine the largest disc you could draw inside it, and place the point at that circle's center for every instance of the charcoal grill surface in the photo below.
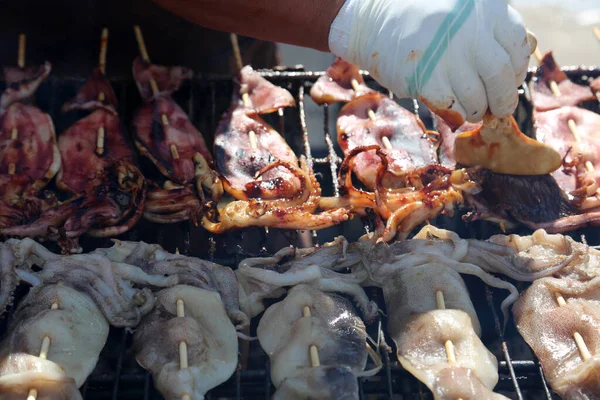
(205, 98)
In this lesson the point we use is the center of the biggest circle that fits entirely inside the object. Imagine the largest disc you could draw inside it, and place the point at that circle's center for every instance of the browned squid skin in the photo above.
(168, 79)
(411, 146)
(403, 208)
(336, 85)
(264, 97)
(190, 180)
(299, 213)
(237, 159)
(542, 96)
(21, 83)
(168, 206)
(78, 148)
(109, 207)
(96, 93)
(238, 162)
(29, 161)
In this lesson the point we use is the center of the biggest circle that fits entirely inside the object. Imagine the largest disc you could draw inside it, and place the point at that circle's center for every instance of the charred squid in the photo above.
(259, 169)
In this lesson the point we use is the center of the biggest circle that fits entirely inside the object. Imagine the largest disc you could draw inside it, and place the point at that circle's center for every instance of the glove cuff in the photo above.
(339, 33)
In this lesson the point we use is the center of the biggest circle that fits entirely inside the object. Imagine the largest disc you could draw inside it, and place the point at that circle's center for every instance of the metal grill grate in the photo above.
(117, 375)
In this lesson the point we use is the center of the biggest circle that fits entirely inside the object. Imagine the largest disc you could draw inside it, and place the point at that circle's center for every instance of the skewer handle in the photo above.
(237, 54)
(355, 85)
(141, 45)
(21, 54)
(103, 49)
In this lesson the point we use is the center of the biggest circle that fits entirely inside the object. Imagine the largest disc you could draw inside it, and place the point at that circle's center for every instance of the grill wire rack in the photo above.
(205, 98)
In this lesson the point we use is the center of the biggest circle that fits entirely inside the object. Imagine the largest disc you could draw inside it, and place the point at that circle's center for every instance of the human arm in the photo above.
(460, 57)
(303, 23)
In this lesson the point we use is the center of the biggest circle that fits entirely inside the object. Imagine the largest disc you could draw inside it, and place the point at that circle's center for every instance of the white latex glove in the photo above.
(457, 56)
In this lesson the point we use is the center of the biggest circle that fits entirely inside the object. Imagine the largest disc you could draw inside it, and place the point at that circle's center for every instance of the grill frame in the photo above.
(521, 377)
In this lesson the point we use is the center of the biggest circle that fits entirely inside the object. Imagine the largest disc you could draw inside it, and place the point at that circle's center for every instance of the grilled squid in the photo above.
(164, 134)
(29, 156)
(311, 317)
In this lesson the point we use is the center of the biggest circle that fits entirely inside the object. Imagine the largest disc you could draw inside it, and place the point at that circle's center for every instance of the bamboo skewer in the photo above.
(101, 96)
(100, 141)
(313, 351)
(450, 353)
(244, 90)
(153, 85)
(386, 142)
(183, 353)
(571, 123)
(14, 135)
(103, 48)
(237, 54)
(247, 104)
(583, 349)
(356, 88)
(45, 348)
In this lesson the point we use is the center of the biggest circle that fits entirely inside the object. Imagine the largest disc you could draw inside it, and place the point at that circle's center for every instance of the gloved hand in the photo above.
(457, 56)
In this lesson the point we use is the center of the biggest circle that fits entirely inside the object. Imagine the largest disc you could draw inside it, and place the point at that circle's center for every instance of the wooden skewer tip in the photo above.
(180, 308)
(253, 140)
(450, 352)
(306, 311)
(174, 152)
(581, 346)
(100, 141)
(386, 142)
(355, 85)
(14, 133)
(439, 299)
(246, 100)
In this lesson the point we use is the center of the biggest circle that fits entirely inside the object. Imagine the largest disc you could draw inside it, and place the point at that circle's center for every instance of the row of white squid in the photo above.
(185, 313)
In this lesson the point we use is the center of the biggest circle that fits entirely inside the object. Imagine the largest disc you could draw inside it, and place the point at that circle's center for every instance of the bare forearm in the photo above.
(299, 22)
